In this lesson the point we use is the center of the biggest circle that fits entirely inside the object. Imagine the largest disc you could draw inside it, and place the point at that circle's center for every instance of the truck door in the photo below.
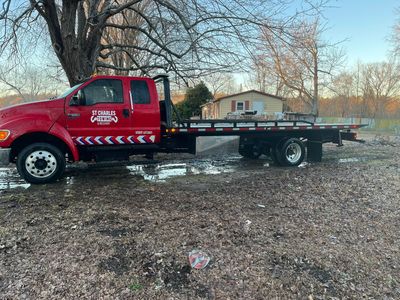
(99, 113)
(145, 110)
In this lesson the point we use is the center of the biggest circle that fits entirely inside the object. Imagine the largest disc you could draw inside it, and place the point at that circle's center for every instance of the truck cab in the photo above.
(82, 124)
(113, 111)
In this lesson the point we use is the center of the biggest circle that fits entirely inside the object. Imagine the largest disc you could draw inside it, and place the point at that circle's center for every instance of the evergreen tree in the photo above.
(194, 98)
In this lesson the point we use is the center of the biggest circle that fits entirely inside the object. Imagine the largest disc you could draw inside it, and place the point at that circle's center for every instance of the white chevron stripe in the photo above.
(130, 139)
(108, 140)
(87, 139)
(119, 140)
(141, 139)
(98, 141)
(152, 138)
(79, 140)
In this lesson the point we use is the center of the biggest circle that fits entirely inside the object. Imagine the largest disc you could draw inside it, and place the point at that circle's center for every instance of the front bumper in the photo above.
(4, 156)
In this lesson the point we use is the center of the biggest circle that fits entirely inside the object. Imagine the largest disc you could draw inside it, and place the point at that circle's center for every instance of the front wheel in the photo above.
(40, 163)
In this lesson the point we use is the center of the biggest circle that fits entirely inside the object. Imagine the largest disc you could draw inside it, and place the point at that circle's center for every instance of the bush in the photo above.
(194, 98)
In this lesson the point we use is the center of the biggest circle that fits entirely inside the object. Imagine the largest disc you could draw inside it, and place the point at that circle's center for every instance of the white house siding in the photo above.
(271, 104)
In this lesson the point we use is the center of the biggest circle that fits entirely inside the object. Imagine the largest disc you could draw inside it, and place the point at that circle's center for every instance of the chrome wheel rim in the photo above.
(293, 153)
(41, 164)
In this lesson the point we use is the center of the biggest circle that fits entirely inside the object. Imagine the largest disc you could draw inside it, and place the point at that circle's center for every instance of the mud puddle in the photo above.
(164, 171)
(156, 171)
(161, 171)
(10, 179)
(351, 160)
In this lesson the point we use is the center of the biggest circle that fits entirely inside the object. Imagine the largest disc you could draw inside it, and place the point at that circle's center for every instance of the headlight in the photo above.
(4, 134)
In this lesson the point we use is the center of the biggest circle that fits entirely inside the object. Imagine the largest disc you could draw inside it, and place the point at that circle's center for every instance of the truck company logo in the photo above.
(103, 117)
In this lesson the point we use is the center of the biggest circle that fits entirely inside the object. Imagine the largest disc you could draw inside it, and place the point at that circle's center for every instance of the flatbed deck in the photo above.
(253, 126)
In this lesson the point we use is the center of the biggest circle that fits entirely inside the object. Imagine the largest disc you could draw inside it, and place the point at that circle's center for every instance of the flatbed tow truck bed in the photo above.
(227, 127)
(273, 138)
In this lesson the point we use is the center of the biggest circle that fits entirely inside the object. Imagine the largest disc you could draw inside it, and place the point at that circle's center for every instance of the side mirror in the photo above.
(77, 99)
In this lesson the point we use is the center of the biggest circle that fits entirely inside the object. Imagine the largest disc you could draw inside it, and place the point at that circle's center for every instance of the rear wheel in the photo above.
(275, 156)
(291, 152)
(40, 163)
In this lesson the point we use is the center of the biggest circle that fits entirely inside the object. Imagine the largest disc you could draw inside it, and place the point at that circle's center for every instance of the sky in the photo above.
(366, 24)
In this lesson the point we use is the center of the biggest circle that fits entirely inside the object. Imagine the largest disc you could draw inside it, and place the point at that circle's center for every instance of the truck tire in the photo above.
(251, 151)
(291, 152)
(40, 163)
(275, 156)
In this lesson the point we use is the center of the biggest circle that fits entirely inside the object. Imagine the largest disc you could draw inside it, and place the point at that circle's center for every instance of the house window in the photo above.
(239, 106)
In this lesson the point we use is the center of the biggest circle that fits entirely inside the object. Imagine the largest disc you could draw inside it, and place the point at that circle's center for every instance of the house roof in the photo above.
(250, 91)
(207, 103)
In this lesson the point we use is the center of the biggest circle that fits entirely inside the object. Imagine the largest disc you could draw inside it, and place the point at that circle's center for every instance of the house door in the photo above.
(258, 106)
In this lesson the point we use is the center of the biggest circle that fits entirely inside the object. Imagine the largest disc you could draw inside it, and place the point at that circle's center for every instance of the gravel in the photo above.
(320, 231)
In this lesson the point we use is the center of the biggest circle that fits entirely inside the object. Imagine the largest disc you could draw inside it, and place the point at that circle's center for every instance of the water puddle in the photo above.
(10, 179)
(162, 172)
(350, 159)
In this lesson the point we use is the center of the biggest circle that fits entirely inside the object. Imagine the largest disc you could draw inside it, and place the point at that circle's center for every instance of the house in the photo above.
(250, 102)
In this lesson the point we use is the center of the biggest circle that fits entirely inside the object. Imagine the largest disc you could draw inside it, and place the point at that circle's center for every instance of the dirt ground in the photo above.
(320, 231)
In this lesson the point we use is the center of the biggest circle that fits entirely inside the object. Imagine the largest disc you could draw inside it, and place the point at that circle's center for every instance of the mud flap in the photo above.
(314, 151)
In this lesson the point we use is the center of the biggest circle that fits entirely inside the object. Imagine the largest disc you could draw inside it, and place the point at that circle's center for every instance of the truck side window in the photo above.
(103, 91)
(140, 92)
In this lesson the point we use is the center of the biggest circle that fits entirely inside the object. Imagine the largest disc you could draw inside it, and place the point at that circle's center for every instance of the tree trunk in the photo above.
(315, 104)
(75, 42)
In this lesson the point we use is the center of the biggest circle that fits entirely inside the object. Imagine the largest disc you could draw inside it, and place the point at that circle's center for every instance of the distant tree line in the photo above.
(368, 91)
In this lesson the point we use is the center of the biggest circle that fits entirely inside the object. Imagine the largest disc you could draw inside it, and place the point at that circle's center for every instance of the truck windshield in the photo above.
(70, 90)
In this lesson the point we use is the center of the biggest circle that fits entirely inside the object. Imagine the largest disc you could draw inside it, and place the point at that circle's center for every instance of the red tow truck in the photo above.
(114, 117)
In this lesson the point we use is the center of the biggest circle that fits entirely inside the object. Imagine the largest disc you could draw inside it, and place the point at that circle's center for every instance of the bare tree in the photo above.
(220, 83)
(264, 76)
(344, 88)
(31, 75)
(306, 62)
(29, 82)
(5, 9)
(379, 86)
(395, 37)
(261, 73)
(116, 52)
(190, 38)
